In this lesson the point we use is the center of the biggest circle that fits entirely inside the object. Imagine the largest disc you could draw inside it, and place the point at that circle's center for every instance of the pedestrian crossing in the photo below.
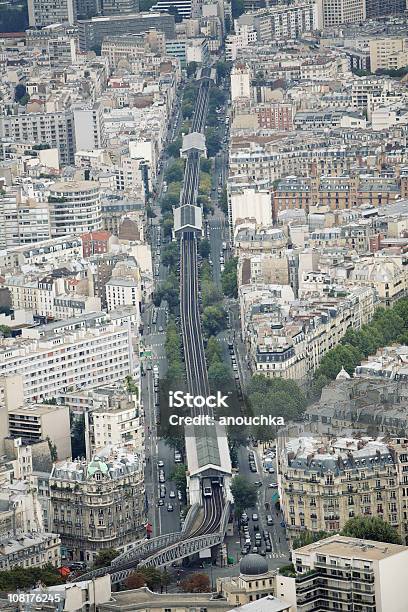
(277, 555)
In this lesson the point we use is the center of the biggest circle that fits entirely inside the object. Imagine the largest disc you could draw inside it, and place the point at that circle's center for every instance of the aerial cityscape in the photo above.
(204, 305)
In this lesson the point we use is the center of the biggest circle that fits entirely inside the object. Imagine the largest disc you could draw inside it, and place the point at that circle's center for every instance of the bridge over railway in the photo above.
(207, 449)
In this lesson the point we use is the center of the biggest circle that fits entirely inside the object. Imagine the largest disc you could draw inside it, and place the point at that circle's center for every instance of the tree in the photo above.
(173, 149)
(198, 583)
(78, 436)
(213, 141)
(223, 69)
(308, 537)
(229, 280)
(19, 92)
(136, 580)
(244, 494)
(104, 557)
(191, 69)
(370, 528)
(237, 8)
(53, 449)
(205, 249)
(214, 351)
(223, 201)
(205, 165)
(5, 331)
(214, 320)
(170, 255)
(175, 173)
(145, 6)
(219, 377)
(28, 577)
(178, 476)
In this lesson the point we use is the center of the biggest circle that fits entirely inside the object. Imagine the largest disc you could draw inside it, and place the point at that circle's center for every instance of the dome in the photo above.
(343, 375)
(253, 565)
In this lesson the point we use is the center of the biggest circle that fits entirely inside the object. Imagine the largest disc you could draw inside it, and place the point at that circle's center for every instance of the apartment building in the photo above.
(45, 12)
(22, 222)
(387, 275)
(334, 192)
(336, 12)
(388, 53)
(113, 416)
(324, 481)
(98, 504)
(30, 550)
(89, 127)
(75, 207)
(279, 22)
(240, 82)
(87, 350)
(340, 573)
(35, 422)
(288, 339)
(93, 31)
(55, 251)
(133, 46)
(53, 128)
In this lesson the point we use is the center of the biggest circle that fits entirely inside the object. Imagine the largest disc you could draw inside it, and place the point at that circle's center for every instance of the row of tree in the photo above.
(387, 326)
(361, 527)
(229, 280)
(28, 577)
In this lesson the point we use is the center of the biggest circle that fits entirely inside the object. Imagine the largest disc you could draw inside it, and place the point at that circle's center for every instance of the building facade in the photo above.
(98, 504)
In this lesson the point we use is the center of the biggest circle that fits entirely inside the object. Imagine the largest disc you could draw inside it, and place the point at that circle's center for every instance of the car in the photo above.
(252, 467)
(162, 478)
(163, 492)
(271, 470)
(160, 502)
(234, 367)
(256, 527)
(244, 550)
(258, 483)
(255, 516)
(269, 520)
(255, 550)
(268, 548)
(180, 495)
(156, 369)
(262, 552)
(172, 495)
(170, 508)
(266, 535)
(161, 328)
(161, 464)
(273, 485)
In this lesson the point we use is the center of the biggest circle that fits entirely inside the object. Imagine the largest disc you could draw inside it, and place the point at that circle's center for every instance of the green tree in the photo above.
(28, 577)
(170, 254)
(191, 69)
(370, 528)
(19, 92)
(214, 320)
(53, 449)
(214, 351)
(78, 436)
(229, 279)
(5, 331)
(223, 69)
(308, 537)
(219, 377)
(213, 141)
(173, 149)
(104, 557)
(244, 494)
(175, 173)
(205, 249)
(237, 8)
(223, 201)
(178, 476)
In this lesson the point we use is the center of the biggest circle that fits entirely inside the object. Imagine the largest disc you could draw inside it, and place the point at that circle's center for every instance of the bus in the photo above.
(207, 488)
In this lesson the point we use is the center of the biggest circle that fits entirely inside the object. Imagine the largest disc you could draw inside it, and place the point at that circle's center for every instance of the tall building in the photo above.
(55, 129)
(46, 12)
(324, 482)
(240, 82)
(183, 7)
(340, 573)
(87, 350)
(119, 7)
(89, 128)
(98, 504)
(22, 222)
(93, 31)
(75, 207)
(380, 8)
(336, 12)
(389, 53)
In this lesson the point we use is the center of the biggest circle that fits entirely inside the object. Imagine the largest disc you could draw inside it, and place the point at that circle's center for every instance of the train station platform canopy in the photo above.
(194, 141)
(207, 450)
(188, 218)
